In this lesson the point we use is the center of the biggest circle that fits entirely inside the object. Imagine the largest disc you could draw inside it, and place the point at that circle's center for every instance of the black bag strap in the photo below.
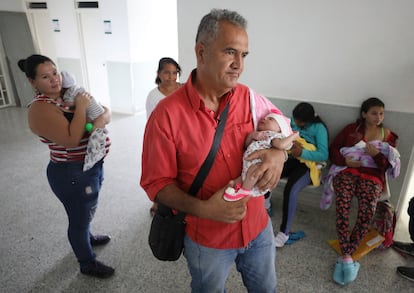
(208, 162)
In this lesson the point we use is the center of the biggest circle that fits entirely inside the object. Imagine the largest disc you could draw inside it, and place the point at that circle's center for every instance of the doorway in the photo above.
(16, 43)
(93, 59)
(42, 29)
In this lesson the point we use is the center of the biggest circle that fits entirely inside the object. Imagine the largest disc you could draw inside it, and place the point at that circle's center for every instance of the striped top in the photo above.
(60, 153)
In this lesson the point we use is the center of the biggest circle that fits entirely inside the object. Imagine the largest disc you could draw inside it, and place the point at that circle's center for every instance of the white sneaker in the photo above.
(281, 239)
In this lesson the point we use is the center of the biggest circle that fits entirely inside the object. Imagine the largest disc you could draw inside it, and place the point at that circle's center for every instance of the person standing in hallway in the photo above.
(179, 133)
(62, 129)
(168, 72)
(407, 247)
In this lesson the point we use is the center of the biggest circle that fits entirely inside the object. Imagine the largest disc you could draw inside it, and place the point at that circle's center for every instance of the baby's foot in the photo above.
(236, 193)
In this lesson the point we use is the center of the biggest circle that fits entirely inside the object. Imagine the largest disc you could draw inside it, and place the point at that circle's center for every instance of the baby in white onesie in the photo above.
(273, 131)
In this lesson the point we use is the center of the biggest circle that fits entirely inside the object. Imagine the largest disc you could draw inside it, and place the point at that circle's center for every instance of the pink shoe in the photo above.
(236, 193)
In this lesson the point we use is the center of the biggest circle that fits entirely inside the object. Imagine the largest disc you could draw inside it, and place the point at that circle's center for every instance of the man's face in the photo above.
(222, 60)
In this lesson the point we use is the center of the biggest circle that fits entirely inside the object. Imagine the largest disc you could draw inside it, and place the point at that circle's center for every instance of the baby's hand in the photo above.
(83, 100)
(296, 149)
(350, 162)
(259, 135)
(371, 150)
(295, 135)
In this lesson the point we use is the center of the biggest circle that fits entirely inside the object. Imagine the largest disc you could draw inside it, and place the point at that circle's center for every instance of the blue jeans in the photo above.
(209, 267)
(78, 191)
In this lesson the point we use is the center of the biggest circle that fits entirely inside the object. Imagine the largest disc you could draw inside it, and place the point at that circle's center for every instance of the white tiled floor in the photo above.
(36, 257)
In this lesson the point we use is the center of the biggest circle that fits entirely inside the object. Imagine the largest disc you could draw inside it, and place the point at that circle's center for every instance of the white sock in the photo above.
(281, 239)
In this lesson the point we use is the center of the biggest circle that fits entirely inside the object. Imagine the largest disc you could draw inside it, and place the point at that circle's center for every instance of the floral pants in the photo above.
(346, 186)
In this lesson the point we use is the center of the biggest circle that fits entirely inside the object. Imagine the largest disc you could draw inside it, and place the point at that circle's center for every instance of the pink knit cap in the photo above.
(284, 123)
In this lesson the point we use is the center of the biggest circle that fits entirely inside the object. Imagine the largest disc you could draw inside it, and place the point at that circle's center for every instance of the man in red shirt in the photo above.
(178, 136)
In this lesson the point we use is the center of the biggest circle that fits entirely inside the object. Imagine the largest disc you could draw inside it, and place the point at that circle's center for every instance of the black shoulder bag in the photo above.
(166, 236)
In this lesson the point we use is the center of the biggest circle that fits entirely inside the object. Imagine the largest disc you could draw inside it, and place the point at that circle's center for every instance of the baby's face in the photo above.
(268, 123)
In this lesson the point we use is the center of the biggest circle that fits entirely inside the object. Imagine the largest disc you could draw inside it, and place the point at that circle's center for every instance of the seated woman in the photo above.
(301, 167)
(360, 177)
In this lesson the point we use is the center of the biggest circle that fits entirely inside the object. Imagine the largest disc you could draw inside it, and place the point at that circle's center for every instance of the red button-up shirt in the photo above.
(178, 137)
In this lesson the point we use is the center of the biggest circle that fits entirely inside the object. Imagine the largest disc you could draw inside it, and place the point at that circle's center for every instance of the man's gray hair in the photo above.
(208, 27)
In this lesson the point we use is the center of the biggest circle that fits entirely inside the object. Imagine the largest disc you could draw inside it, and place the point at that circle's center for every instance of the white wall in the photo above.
(12, 5)
(117, 44)
(153, 32)
(67, 40)
(332, 51)
(153, 35)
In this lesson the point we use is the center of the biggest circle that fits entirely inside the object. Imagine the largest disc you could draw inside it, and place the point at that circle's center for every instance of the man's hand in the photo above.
(218, 209)
(215, 208)
(270, 169)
